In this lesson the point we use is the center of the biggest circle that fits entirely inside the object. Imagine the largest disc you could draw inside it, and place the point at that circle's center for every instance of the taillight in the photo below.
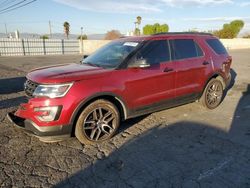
(229, 61)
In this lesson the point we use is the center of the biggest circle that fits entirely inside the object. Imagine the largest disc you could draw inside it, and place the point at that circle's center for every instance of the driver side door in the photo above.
(152, 87)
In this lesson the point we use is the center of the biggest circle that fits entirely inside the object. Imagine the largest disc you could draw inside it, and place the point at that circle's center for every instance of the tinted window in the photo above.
(216, 45)
(155, 52)
(185, 48)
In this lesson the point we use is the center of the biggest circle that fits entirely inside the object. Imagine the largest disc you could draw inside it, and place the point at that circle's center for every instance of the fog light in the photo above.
(49, 113)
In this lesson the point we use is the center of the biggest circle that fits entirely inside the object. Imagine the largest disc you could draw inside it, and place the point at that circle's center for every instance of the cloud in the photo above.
(245, 4)
(113, 6)
(216, 19)
(196, 3)
(137, 6)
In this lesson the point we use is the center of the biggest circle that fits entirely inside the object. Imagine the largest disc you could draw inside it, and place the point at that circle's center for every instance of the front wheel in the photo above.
(98, 122)
(213, 94)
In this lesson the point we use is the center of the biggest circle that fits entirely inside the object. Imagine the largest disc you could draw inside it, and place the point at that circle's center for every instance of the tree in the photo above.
(44, 37)
(138, 18)
(137, 30)
(66, 27)
(156, 28)
(84, 37)
(230, 30)
(113, 34)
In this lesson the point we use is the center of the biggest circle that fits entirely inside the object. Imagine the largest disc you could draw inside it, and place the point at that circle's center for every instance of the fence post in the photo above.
(23, 46)
(63, 46)
(81, 49)
(44, 48)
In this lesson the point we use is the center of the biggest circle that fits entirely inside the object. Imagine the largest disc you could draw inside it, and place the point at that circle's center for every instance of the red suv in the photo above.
(126, 78)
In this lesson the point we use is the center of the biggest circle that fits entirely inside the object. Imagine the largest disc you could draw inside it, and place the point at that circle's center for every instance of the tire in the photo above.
(98, 122)
(212, 94)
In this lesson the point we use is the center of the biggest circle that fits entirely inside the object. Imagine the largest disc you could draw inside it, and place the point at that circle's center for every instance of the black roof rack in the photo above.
(183, 33)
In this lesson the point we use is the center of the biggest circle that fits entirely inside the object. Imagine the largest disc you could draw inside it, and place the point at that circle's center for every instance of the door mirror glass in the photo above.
(139, 63)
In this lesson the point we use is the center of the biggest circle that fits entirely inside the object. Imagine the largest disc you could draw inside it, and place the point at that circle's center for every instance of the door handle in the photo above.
(205, 63)
(168, 69)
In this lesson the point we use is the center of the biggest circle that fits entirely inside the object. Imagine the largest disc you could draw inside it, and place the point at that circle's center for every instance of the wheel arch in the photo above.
(216, 75)
(113, 98)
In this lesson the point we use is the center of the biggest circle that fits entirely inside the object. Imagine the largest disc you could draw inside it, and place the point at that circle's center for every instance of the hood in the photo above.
(66, 73)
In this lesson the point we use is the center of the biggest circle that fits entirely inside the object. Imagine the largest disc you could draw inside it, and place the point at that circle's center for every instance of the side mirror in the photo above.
(85, 56)
(140, 63)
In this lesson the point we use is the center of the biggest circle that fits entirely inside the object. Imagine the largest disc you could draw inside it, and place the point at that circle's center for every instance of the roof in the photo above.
(183, 33)
(149, 37)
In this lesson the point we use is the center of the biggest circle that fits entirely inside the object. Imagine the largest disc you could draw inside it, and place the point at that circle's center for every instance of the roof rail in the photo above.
(183, 33)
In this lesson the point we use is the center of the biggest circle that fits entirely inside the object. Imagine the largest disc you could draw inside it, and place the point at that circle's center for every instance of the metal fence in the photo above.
(21, 47)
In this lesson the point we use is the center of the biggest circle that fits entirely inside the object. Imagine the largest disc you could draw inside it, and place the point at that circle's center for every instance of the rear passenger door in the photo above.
(191, 65)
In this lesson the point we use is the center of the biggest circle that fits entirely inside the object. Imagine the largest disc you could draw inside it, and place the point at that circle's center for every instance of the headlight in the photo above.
(52, 91)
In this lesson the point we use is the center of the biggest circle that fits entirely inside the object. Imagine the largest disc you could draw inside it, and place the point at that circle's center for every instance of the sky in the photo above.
(100, 16)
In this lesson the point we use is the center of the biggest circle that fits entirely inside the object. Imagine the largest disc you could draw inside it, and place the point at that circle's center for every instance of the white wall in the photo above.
(89, 46)
(236, 43)
(15, 47)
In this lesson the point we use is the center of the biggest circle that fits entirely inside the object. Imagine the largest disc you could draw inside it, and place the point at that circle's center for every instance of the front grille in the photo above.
(29, 87)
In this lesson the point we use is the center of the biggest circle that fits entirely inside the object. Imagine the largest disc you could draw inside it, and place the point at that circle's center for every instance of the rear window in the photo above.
(185, 48)
(217, 46)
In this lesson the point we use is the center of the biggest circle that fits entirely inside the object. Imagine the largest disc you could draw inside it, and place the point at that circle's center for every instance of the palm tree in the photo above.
(138, 18)
(137, 25)
(66, 29)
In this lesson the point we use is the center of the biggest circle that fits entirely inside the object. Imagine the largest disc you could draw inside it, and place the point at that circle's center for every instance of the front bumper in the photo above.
(45, 133)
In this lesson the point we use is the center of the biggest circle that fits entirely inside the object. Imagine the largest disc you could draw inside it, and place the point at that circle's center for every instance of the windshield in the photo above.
(112, 54)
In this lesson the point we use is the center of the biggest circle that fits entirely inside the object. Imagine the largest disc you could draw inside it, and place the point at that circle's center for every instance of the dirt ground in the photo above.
(187, 146)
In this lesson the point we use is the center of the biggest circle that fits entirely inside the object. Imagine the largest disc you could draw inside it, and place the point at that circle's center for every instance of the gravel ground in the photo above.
(186, 146)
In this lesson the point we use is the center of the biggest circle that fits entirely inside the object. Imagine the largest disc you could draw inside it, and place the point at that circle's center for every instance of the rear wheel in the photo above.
(98, 122)
(213, 94)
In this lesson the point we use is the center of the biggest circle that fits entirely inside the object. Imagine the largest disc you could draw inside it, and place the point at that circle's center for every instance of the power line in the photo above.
(14, 8)
(6, 3)
(20, 2)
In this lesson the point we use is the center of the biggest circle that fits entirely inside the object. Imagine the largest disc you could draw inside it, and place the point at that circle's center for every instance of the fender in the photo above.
(98, 96)
(214, 75)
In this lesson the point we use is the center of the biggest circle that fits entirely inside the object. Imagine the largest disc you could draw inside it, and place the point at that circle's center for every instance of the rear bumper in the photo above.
(44, 133)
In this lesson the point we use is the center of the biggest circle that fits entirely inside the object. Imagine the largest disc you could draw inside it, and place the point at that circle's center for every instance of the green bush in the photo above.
(156, 28)
(44, 37)
(84, 37)
(231, 30)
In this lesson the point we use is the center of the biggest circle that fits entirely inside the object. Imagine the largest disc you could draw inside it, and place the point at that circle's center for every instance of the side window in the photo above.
(217, 46)
(155, 52)
(198, 50)
(185, 48)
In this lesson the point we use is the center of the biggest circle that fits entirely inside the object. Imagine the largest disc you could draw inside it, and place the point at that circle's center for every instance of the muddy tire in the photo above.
(213, 94)
(98, 122)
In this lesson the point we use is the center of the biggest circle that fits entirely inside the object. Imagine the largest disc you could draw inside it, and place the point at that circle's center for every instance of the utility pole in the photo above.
(81, 41)
(135, 28)
(81, 32)
(6, 31)
(50, 32)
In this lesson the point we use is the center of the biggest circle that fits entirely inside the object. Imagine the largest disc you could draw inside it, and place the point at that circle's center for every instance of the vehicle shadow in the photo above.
(13, 102)
(183, 154)
(130, 122)
(12, 85)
